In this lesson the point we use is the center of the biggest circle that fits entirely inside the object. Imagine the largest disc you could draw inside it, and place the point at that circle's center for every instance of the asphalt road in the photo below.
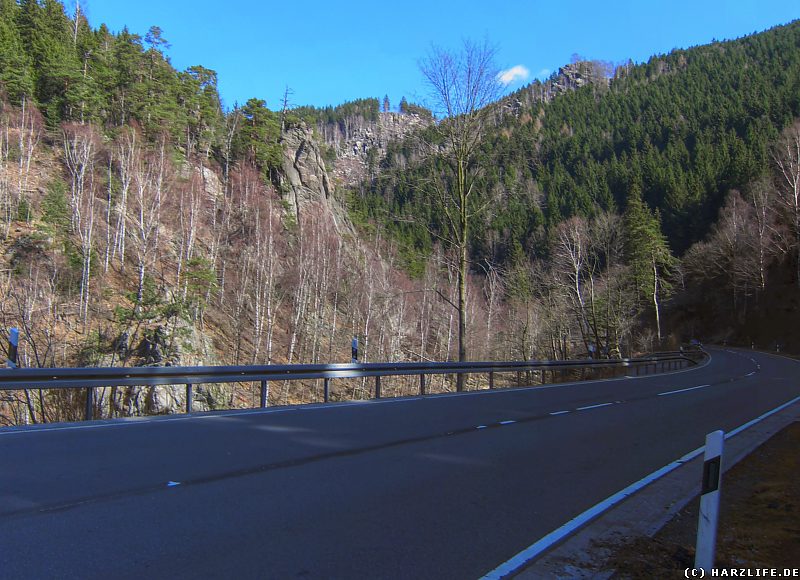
(435, 487)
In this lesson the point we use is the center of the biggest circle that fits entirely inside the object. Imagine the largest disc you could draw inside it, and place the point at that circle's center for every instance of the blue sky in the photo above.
(330, 52)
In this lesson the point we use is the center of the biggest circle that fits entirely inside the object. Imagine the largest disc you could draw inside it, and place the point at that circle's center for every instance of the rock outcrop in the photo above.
(574, 76)
(570, 77)
(305, 178)
(359, 143)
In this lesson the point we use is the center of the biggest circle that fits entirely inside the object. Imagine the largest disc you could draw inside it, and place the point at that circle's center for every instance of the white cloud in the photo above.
(515, 73)
(544, 73)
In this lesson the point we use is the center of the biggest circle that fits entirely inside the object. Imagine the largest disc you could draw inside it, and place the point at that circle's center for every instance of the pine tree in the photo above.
(648, 255)
(46, 31)
(16, 77)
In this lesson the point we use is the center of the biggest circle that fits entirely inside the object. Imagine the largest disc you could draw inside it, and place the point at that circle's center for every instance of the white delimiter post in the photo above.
(709, 502)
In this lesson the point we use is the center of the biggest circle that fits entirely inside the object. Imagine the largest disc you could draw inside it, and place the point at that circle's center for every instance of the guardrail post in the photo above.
(422, 384)
(89, 403)
(189, 397)
(264, 393)
(326, 385)
(377, 386)
(491, 379)
(519, 379)
(709, 502)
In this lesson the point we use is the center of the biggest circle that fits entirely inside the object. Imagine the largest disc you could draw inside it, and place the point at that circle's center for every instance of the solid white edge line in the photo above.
(578, 521)
(761, 418)
(682, 390)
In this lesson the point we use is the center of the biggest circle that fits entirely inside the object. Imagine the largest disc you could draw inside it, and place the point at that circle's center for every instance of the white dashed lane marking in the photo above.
(682, 390)
(593, 406)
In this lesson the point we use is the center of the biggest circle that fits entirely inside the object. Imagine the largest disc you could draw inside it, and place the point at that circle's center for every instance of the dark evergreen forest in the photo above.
(680, 131)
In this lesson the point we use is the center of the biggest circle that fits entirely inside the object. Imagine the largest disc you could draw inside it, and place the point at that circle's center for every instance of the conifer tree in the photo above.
(15, 67)
(648, 255)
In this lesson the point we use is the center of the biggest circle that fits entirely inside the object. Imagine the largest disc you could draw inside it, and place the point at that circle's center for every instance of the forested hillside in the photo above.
(143, 223)
(594, 189)
(680, 131)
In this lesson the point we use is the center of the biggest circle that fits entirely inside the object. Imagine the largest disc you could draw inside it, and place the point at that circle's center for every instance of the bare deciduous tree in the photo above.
(80, 145)
(761, 195)
(787, 159)
(462, 86)
(571, 260)
(149, 181)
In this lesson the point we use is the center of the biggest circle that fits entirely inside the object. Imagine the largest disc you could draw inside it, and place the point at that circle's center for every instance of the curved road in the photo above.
(447, 486)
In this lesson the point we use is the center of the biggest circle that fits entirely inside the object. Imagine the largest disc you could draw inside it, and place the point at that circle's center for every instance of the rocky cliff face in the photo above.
(359, 143)
(305, 177)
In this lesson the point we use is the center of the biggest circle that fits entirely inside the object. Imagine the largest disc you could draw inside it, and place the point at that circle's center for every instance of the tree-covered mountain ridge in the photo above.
(143, 224)
(691, 154)
(358, 135)
(680, 130)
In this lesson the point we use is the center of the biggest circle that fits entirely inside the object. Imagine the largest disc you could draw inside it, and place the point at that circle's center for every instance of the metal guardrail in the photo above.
(91, 378)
